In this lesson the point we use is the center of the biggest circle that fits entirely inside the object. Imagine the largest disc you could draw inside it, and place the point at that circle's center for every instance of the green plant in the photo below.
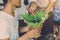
(40, 17)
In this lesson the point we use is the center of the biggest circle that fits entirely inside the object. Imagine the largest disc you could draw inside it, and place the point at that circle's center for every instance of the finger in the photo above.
(37, 36)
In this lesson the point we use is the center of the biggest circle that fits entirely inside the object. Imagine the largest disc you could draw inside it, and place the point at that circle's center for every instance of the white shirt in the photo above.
(44, 3)
(8, 26)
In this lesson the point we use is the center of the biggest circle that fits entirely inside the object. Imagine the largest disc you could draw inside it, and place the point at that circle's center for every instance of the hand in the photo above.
(33, 33)
(30, 34)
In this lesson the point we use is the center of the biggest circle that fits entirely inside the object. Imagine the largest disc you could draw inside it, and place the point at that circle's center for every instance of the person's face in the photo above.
(33, 5)
(17, 3)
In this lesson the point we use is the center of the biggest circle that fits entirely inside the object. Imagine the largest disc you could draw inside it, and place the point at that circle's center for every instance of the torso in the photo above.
(13, 27)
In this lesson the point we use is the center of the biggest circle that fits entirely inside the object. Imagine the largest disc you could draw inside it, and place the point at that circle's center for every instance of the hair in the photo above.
(31, 3)
(5, 1)
(26, 2)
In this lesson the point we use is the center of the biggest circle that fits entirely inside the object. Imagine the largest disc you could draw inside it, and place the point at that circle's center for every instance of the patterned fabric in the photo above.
(56, 16)
(57, 6)
(57, 11)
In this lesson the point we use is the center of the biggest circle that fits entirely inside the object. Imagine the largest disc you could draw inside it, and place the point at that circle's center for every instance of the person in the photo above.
(8, 27)
(47, 6)
(32, 7)
(56, 19)
(44, 5)
(56, 16)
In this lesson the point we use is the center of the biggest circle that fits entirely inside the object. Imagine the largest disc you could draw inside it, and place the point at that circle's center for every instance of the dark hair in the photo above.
(26, 2)
(5, 1)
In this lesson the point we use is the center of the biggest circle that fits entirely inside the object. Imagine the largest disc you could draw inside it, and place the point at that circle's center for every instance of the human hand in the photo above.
(33, 33)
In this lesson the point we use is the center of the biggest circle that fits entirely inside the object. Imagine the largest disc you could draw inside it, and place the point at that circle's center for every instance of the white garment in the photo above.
(8, 26)
(44, 3)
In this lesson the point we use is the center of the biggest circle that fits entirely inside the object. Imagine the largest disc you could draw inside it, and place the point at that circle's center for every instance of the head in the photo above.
(33, 5)
(15, 3)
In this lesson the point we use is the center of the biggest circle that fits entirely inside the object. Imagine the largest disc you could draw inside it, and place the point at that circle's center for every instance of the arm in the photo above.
(24, 37)
(30, 34)
(3, 30)
(24, 29)
(50, 5)
(5, 36)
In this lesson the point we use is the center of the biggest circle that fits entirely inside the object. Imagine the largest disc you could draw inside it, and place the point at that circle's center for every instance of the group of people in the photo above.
(8, 26)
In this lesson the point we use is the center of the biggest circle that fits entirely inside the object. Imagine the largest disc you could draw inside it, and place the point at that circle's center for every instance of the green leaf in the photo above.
(37, 19)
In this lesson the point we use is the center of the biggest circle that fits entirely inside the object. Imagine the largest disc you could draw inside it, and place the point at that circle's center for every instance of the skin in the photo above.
(9, 8)
(50, 5)
(33, 5)
(24, 29)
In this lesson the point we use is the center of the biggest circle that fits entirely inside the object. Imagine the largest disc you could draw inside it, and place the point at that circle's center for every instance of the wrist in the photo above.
(24, 37)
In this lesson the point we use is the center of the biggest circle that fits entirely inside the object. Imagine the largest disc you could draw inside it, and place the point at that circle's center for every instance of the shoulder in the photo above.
(4, 27)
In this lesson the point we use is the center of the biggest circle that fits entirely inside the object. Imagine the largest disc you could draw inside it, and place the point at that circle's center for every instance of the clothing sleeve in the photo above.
(4, 29)
(52, 0)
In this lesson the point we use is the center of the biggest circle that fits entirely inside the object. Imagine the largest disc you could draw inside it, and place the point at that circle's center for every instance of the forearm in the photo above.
(24, 29)
(50, 5)
(5, 39)
(24, 37)
(30, 34)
